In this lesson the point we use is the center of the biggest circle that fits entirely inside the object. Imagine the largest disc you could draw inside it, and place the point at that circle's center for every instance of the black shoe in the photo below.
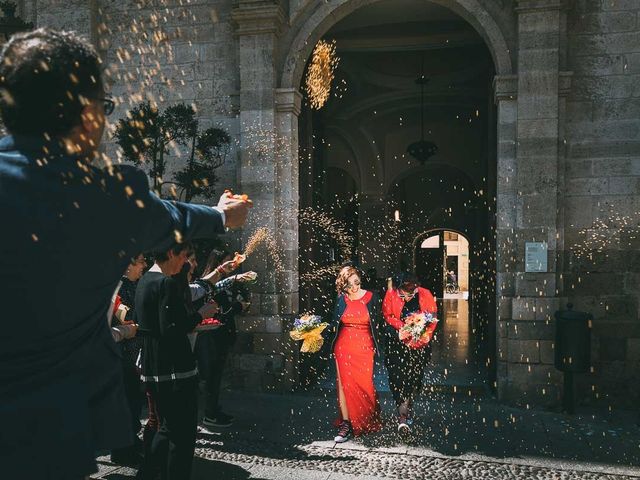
(221, 420)
(345, 432)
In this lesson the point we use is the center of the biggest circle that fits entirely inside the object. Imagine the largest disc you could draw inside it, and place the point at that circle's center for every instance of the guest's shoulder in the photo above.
(130, 179)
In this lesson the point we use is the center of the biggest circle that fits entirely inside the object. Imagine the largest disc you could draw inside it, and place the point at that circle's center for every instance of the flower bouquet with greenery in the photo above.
(309, 328)
(418, 330)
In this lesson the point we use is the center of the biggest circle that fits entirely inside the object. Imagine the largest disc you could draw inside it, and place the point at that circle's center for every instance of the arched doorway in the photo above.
(349, 21)
(461, 355)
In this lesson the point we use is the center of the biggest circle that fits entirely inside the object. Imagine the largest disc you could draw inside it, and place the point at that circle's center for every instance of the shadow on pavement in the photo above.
(209, 469)
(448, 424)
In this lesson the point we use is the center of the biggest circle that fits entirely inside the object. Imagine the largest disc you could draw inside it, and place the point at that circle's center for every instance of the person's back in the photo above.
(166, 347)
(69, 238)
(70, 230)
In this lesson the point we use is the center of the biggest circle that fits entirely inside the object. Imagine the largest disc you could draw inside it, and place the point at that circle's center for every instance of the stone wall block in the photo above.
(268, 343)
(536, 284)
(546, 308)
(523, 351)
(269, 304)
(251, 324)
(523, 308)
(274, 324)
(547, 352)
(529, 330)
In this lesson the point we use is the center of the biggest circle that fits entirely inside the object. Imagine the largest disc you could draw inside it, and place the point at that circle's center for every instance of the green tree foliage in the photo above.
(146, 136)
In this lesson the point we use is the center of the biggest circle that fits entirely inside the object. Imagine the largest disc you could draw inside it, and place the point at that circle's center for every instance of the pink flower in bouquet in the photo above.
(418, 330)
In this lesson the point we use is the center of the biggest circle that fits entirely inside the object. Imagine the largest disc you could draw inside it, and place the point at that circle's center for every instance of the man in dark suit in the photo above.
(69, 232)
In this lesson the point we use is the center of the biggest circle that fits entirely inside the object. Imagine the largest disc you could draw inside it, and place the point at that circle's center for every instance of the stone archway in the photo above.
(529, 124)
(300, 45)
(308, 31)
(300, 48)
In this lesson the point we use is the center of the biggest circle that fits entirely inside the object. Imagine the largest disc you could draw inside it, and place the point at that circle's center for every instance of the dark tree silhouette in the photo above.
(146, 135)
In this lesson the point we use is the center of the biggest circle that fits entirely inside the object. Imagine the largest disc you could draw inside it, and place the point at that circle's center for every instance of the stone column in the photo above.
(288, 105)
(530, 376)
(258, 24)
(505, 90)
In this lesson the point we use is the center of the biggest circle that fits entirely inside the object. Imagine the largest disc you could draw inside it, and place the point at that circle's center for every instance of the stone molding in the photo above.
(526, 6)
(565, 80)
(288, 100)
(258, 18)
(505, 87)
(327, 14)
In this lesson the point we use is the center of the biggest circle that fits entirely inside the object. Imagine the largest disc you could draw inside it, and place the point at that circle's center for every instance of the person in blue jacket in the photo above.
(61, 389)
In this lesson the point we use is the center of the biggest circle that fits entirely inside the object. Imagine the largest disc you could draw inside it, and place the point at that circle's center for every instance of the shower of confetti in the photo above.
(321, 73)
(611, 231)
(261, 236)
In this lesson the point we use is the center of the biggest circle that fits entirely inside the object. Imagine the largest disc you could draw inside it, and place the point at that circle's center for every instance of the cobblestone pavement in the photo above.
(284, 437)
(381, 464)
(238, 459)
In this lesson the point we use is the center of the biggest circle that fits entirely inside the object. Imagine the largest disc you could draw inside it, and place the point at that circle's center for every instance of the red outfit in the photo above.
(354, 351)
(392, 306)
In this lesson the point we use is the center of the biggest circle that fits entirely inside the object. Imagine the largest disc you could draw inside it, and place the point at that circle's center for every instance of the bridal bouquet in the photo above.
(308, 328)
(418, 330)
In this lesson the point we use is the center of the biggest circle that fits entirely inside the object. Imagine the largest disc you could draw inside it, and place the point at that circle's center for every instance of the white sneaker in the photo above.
(404, 424)
(344, 432)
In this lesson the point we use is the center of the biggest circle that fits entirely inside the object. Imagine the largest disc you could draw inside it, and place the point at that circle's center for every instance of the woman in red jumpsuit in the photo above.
(357, 325)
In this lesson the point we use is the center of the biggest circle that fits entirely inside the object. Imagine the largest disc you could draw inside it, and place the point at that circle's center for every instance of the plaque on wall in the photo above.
(536, 257)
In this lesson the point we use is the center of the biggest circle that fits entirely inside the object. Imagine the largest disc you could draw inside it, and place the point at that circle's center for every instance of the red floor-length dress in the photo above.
(354, 351)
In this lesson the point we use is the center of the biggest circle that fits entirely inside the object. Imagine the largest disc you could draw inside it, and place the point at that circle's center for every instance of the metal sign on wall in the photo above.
(536, 257)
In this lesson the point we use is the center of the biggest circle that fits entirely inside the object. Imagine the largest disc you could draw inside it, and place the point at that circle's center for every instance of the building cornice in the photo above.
(256, 18)
(526, 6)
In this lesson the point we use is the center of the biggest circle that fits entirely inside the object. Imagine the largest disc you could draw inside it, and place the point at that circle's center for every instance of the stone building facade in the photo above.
(564, 149)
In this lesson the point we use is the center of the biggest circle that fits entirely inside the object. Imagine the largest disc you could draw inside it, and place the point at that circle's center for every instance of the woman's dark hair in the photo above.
(408, 280)
(46, 79)
(215, 259)
(176, 249)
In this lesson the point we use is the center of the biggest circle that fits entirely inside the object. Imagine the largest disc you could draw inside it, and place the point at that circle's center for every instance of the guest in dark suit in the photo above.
(61, 390)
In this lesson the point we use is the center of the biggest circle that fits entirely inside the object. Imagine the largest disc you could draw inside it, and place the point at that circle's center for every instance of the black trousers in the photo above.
(133, 391)
(171, 448)
(213, 350)
(405, 367)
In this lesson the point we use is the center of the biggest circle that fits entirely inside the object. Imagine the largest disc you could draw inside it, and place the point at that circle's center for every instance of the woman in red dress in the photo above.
(356, 322)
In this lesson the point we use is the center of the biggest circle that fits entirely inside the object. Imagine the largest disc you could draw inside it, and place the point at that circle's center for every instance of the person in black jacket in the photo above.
(130, 455)
(168, 365)
(213, 347)
(61, 390)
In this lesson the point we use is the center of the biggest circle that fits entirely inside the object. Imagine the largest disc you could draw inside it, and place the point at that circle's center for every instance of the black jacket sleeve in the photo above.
(175, 318)
(157, 224)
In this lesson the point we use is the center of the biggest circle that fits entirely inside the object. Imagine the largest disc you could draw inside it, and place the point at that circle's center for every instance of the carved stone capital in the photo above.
(288, 100)
(258, 17)
(505, 87)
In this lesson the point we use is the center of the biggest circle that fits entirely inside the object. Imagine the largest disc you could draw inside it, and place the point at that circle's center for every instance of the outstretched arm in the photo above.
(157, 224)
